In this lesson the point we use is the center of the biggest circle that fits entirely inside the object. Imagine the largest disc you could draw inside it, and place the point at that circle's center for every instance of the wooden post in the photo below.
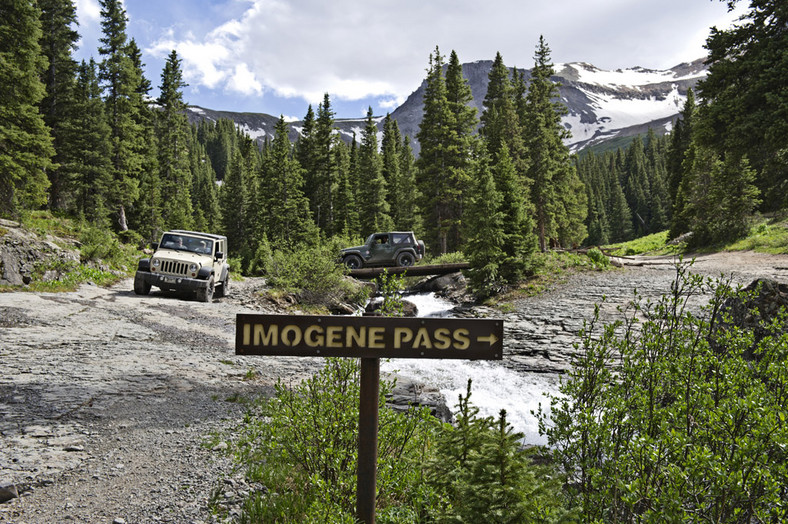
(368, 440)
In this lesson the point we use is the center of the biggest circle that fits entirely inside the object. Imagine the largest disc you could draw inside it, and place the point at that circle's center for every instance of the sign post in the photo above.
(370, 339)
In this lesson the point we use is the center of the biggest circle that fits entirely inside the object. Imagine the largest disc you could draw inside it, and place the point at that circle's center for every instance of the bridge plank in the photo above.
(412, 271)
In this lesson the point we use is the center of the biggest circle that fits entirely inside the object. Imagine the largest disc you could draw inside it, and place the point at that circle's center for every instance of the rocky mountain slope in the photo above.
(601, 104)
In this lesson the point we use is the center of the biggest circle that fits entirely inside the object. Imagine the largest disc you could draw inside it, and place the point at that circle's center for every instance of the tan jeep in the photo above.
(186, 261)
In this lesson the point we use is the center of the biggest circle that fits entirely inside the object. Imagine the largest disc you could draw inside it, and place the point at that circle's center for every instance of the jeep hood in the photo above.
(183, 255)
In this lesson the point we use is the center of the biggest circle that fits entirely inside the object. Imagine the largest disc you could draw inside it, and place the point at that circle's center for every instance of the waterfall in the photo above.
(494, 387)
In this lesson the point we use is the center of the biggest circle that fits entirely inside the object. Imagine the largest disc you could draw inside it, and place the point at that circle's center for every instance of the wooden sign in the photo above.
(369, 337)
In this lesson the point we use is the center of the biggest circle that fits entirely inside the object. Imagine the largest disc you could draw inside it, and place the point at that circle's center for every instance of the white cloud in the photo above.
(243, 81)
(88, 11)
(379, 48)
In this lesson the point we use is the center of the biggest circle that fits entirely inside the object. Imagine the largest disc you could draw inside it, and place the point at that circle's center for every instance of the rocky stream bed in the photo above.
(107, 399)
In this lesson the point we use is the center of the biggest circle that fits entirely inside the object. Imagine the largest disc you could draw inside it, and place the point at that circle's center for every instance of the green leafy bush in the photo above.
(311, 272)
(598, 258)
(674, 414)
(302, 445)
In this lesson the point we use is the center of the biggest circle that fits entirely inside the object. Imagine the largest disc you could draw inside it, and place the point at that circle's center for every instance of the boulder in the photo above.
(408, 392)
(763, 300)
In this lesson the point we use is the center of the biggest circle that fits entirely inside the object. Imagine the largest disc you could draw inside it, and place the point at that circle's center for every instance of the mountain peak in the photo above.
(602, 104)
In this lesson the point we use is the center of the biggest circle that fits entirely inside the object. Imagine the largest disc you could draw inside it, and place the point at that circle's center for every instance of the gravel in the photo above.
(113, 406)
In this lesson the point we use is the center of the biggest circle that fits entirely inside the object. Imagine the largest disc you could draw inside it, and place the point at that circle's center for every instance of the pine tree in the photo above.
(172, 132)
(304, 153)
(233, 192)
(58, 41)
(346, 221)
(744, 107)
(373, 207)
(486, 227)
(407, 214)
(446, 138)
(390, 165)
(85, 156)
(121, 81)
(323, 167)
(288, 220)
(464, 118)
(518, 237)
(501, 123)
(555, 189)
(26, 151)
(146, 216)
(204, 190)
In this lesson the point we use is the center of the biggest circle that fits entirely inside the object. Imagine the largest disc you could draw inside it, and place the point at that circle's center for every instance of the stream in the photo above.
(494, 386)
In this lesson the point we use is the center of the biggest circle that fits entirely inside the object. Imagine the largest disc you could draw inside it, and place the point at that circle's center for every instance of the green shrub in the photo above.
(598, 258)
(302, 445)
(456, 257)
(312, 273)
(666, 415)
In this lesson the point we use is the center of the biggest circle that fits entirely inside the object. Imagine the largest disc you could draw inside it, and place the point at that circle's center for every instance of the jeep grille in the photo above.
(173, 267)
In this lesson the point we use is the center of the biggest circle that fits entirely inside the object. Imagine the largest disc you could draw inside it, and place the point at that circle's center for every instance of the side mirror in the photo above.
(154, 245)
(219, 255)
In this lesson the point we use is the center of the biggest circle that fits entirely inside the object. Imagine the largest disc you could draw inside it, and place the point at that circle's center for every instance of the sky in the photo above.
(280, 56)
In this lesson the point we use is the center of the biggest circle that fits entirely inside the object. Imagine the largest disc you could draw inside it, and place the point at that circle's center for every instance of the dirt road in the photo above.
(107, 399)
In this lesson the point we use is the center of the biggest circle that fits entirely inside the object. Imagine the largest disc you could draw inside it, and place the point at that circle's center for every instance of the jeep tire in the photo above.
(353, 262)
(140, 286)
(206, 294)
(223, 290)
(405, 259)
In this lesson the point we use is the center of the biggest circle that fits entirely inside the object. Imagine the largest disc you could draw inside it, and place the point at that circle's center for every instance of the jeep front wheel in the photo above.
(353, 262)
(140, 286)
(206, 294)
(405, 259)
(223, 290)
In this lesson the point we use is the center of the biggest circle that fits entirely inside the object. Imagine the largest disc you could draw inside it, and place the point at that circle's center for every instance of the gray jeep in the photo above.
(395, 248)
(186, 261)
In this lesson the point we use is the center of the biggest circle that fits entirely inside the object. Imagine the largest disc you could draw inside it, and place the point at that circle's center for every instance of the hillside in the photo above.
(602, 105)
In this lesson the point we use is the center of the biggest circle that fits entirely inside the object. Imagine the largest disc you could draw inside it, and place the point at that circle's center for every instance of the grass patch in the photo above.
(768, 235)
(654, 244)
(75, 274)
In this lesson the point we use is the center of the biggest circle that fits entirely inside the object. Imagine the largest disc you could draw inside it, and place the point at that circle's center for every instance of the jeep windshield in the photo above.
(202, 246)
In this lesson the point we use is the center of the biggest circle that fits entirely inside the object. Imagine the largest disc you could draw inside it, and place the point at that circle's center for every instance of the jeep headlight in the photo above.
(193, 268)
(155, 263)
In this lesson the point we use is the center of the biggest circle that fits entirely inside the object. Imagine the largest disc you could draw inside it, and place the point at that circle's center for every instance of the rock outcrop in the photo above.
(24, 256)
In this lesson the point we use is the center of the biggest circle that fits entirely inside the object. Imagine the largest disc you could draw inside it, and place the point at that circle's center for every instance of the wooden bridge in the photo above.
(369, 273)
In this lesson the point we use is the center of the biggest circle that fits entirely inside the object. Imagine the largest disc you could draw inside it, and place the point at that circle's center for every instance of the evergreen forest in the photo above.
(86, 140)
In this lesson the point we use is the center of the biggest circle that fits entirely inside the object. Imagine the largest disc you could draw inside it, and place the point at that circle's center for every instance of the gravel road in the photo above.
(107, 399)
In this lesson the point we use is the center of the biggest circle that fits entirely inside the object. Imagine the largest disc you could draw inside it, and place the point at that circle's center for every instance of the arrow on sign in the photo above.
(491, 338)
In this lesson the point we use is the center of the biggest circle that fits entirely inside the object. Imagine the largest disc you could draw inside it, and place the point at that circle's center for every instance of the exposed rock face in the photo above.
(21, 252)
(766, 299)
(452, 286)
(408, 392)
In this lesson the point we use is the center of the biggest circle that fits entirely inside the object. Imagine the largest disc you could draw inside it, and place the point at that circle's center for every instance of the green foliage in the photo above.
(26, 149)
(749, 118)
(455, 257)
(598, 258)
(312, 273)
(302, 445)
(770, 236)
(480, 467)
(390, 287)
(673, 413)
(654, 244)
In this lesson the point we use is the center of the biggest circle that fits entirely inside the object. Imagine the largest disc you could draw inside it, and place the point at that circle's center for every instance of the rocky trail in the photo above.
(110, 403)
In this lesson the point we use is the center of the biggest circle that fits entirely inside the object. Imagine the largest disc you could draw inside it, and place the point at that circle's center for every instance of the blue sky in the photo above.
(279, 56)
